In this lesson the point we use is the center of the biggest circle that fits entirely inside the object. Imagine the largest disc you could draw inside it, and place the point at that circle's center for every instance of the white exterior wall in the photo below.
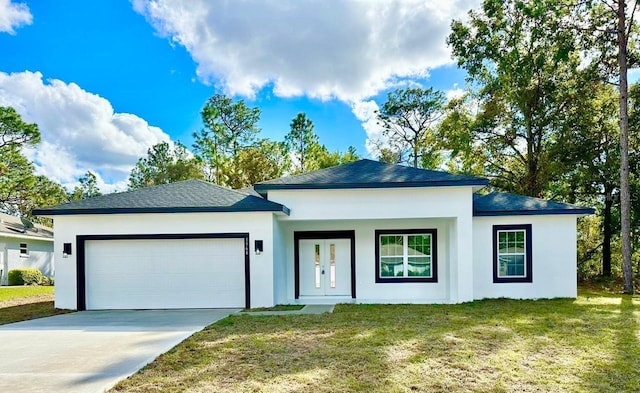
(367, 290)
(279, 264)
(554, 257)
(40, 256)
(448, 209)
(259, 225)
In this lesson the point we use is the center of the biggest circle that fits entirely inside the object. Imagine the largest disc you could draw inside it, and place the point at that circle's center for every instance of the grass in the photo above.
(26, 302)
(17, 292)
(279, 307)
(590, 344)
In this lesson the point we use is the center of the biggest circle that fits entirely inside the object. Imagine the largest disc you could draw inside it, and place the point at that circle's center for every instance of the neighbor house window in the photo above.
(406, 255)
(24, 250)
(512, 253)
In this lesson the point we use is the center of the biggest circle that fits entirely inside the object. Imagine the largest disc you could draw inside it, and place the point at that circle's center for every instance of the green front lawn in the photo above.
(591, 344)
(26, 302)
(9, 293)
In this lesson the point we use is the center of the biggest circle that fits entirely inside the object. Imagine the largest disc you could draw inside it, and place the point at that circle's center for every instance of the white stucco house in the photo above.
(364, 232)
(24, 246)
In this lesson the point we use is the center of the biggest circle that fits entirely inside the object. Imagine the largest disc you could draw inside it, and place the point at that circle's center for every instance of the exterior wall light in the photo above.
(259, 247)
(66, 250)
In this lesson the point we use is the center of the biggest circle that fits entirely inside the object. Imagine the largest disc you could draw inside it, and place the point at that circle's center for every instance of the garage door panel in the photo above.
(175, 273)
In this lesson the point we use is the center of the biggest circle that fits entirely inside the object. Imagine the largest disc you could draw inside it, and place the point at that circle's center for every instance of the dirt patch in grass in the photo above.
(589, 344)
(24, 303)
(26, 300)
(27, 311)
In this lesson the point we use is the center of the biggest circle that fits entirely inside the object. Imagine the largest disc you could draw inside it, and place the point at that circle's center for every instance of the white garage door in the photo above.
(174, 273)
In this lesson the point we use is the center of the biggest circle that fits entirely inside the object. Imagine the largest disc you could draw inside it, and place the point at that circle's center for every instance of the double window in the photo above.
(406, 255)
(512, 253)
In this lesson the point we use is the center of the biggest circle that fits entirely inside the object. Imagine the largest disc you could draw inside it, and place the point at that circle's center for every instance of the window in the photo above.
(24, 250)
(512, 253)
(406, 255)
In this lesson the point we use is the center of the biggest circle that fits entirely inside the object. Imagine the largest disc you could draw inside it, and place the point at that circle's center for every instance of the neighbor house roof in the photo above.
(180, 197)
(369, 174)
(504, 204)
(14, 227)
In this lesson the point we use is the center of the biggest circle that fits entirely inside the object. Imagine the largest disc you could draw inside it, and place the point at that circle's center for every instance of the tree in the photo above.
(265, 161)
(589, 156)
(526, 67)
(609, 32)
(462, 153)
(229, 127)
(388, 155)
(14, 131)
(164, 164)
(17, 178)
(409, 117)
(44, 192)
(21, 190)
(88, 187)
(622, 38)
(301, 141)
(322, 158)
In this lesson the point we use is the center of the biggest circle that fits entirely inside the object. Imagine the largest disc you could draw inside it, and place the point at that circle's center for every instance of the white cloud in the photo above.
(454, 93)
(349, 50)
(366, 112)
(13, 15)
(80, 130)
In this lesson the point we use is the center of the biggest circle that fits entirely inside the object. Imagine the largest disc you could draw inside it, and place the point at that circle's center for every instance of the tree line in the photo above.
(547, 112)
(229, 152)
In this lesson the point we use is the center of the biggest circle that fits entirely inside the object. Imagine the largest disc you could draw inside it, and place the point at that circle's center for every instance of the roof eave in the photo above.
(262, 188)
(577, 212)
(66, 212)
(24, 236)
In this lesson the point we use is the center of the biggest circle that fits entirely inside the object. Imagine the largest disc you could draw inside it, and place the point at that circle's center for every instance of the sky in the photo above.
(107, 79)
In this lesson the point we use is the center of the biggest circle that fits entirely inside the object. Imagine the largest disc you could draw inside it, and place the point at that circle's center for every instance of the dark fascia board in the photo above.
(324, 186)
(587, 211)
(63, 212)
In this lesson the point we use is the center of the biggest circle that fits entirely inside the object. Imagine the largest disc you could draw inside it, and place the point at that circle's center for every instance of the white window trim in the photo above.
(523, 254)
(405, 256)
(25, 248)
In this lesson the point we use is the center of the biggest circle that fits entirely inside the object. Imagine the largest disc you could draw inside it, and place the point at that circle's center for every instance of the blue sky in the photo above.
(106, 79)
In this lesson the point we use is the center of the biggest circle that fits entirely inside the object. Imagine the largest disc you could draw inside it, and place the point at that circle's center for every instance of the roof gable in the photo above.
(505, 204)
(369, 174)
(180, 197)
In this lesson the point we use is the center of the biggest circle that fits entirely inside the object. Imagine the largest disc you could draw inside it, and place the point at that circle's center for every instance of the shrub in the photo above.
(47, 281)
(25, 277)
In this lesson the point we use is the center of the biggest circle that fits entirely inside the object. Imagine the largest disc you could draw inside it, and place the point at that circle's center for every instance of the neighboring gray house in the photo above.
(23, 247)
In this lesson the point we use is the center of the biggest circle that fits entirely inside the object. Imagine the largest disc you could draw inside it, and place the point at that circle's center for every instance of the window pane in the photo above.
(511, 265)
(332, 265)
(391, 267)
(419, 266)
(317, 265)
(419, 245)
(511, 242)
(391, 245)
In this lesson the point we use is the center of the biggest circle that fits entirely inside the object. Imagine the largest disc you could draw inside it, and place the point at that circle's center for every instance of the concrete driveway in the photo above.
(91, 351)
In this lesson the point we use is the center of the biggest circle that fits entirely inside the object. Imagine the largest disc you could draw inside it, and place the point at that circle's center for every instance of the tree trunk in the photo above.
(607, 232)
(625, 198)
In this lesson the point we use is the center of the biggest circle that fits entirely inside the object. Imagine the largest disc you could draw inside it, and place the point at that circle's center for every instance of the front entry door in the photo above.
(325, 267)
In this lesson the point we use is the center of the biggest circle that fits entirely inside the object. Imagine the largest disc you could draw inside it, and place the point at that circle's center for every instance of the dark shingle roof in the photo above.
(179, 197)
(503, 204)
(369, 174)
